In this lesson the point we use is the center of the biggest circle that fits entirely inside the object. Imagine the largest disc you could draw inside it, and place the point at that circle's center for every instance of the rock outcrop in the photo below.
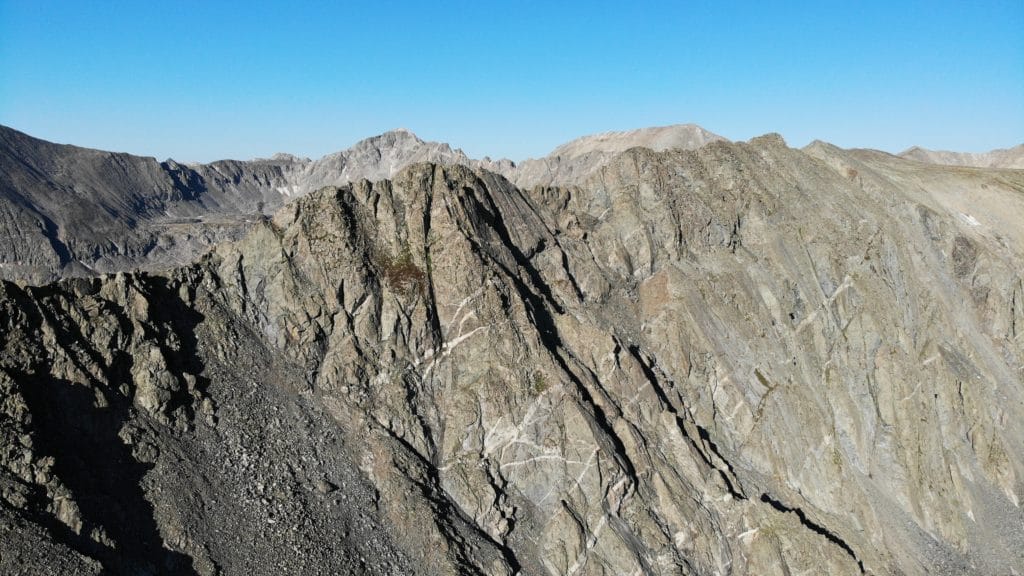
(744, 359)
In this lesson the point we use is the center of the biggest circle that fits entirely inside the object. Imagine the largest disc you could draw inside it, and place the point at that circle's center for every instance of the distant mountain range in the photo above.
(71, 211)
(66, 210)
(1001, 158)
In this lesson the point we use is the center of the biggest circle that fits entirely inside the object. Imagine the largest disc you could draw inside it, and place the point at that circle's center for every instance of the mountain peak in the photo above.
(658, 138)
(286, 157)
(630, 367)
(397, 134)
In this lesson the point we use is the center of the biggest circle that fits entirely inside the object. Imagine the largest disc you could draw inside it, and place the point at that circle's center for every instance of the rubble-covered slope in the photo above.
(744, 359)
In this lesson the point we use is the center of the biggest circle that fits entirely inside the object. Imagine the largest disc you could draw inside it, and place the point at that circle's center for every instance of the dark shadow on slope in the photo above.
(659, 391)
(102, 475)
(90, 458)
(172, 314)
(188, 185)
(815, 527)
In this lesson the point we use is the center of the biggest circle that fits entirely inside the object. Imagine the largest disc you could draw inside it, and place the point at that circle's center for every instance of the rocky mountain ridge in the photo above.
(740, 359)
(70, 211)
(67, 211)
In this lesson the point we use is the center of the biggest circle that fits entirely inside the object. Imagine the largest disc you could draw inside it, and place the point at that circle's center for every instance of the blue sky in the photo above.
(198, 81)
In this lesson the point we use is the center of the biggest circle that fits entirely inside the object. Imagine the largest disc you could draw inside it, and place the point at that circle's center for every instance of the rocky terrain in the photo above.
(739, 359)
(1002, 158)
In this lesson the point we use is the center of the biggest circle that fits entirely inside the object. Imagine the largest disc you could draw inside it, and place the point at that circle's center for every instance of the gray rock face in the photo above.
(66, 210)
(1002, 158)
(375, 158)
(744, 359)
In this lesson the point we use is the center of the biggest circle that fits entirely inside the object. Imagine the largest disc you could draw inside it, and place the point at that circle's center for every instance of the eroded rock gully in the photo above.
(745, 359)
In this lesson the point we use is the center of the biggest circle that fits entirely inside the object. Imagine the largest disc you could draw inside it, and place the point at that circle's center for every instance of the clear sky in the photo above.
(203, 80)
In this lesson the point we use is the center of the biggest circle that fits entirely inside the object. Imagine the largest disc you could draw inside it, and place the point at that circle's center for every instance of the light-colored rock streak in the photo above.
(446, 349)
(577, 482)
(828, 302)
(496, 439)
(581, 559)
(542, 457)
(463, 304)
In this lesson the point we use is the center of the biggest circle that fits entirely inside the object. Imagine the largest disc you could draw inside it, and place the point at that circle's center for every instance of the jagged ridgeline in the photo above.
(739, 359)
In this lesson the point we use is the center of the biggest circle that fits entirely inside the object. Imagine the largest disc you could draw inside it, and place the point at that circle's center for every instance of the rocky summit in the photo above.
(688, 356)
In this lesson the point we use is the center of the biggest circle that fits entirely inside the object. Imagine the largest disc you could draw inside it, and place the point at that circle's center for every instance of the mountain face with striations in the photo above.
(740, 358)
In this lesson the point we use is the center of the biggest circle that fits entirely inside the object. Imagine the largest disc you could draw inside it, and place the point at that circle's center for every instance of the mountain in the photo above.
(681, 136)
(743, 359)
(574, 161)
(1002, 158)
